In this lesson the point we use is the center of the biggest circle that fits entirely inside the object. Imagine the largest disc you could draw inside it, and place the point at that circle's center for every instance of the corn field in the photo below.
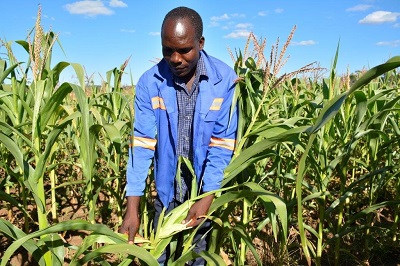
(314, 179)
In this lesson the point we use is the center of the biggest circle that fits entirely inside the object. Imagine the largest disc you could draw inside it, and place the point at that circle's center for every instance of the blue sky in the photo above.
(101, 35)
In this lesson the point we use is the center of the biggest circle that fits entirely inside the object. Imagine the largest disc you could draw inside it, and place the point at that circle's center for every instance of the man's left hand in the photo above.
(197, 211)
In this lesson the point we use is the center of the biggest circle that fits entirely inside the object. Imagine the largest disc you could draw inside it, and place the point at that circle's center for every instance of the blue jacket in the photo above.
(156, 129)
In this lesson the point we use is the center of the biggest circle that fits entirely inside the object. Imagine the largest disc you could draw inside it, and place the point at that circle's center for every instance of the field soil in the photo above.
(70, 209)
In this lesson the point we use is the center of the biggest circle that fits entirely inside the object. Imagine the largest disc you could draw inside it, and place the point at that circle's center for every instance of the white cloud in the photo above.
(262, 13)
(236, 15)
(304, 43)
(243, 25)
(279, 10)
(214, 24)
(358, 8)
(154, 33)
(224, 21)
(223, 17)
(395, 43)
(89, 8)
(117, 3)
(128, 30)
(237, 34)
(379, 17)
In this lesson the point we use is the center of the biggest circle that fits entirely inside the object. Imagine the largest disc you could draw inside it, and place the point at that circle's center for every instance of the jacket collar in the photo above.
(163, 73)
(206, 92)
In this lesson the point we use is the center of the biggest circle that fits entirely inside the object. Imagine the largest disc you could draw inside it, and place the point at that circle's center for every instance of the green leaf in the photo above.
(8, 198)
(60, 227)
(333, 106)
(240, 230)
(185, 257)
(96, 238)
(51, 141)
(127, 249)
(15, 233)
(375, 72)
(80, 74)
(56, 71)
(254, 153)
(16, 152)
(4, 74)
(250, 63)
(329, 110)
(113, 133)
(361, 109)
(53, 103)
(299, 191)
(55, 244)
(24, 44)
(368, 210)
(212, 258)
(256, 191)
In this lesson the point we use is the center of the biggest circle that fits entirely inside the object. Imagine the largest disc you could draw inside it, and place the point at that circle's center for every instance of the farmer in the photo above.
(183, 107)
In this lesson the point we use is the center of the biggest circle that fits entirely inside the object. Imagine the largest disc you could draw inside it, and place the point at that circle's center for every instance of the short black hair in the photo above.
(183, 13)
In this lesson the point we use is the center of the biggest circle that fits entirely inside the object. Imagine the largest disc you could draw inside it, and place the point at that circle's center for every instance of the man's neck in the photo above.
(189, 79)
(189, 83)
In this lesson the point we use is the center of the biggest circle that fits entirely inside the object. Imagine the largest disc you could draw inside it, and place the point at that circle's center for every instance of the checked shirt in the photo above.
(186, 100)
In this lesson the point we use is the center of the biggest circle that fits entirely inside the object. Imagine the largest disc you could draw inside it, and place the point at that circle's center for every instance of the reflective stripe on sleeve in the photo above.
(144, 142)
(216, 104)
(223, 143)
(158, 103)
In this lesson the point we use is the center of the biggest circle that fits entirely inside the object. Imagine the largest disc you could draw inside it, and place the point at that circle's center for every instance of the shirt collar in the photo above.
(201, 71)
(201, 68)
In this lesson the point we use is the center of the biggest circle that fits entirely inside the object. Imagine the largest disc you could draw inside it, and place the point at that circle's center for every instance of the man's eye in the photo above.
(167, 51)
(184, 51)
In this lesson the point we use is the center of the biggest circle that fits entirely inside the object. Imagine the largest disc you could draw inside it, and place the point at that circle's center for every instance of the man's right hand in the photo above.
(130, 224)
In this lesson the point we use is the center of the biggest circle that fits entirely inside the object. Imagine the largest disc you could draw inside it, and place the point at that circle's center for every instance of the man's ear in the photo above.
(202, 42)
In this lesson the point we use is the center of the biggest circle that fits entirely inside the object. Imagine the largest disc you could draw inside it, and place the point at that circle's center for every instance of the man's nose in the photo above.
(176, 57)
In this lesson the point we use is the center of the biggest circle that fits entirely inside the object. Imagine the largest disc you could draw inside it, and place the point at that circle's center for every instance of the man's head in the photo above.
(182, 40)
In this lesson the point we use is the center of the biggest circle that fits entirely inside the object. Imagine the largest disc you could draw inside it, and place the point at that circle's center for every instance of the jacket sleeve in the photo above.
(143, 142)
(223, 140)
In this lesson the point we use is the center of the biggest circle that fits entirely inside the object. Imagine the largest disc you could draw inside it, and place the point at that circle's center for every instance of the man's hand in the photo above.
(130, 224)
(198, 209)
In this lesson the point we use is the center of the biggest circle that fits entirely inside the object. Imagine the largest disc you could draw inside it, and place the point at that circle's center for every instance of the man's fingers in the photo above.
(196, 222)
(123, 230)
(131, 236)
(188, 223)
(187, 219)
(193, 222)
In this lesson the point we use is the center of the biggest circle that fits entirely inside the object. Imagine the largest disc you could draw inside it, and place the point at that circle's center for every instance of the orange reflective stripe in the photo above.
(144, 142)
(158, 103)
(223, 143)
(216, 104)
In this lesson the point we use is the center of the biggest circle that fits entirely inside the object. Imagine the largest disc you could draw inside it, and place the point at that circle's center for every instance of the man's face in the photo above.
(180, 47)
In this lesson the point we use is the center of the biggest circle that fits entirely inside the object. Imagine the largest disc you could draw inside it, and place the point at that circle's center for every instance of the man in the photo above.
(183, 107)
